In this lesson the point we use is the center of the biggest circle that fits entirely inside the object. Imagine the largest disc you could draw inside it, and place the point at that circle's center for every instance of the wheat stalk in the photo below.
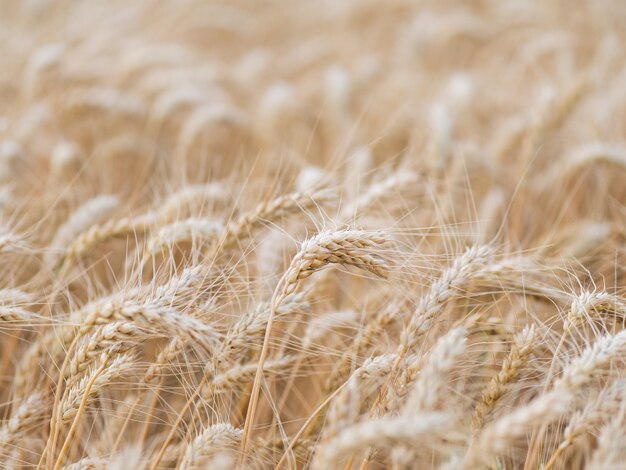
(347, 247)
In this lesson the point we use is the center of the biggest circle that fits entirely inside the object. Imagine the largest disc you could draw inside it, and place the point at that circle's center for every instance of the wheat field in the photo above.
(332, 234)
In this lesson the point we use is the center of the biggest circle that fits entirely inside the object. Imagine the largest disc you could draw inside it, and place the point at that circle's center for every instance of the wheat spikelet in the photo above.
(22, 419)
(188, 230)
(346, 247)
(366, 338)
(201, 195)
(239, 375)
(84, 217)
(160, 317)
(166, 356)
(379, 191)
(589, 305)
(610, 451)
(118, 337)
(345, 407)
(427, 389)
(242, 227)
(440, 291)
(413, 430)
(89, 385)
(592, 362)
(584, 421)
(502, 435)
(523, 345)
(110, 229)
(433, 376)
(170, 208)
(247, 332)
(344, 410)
(216, 437)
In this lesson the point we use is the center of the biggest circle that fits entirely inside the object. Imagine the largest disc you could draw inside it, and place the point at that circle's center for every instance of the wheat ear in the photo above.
(118, 337)
(82, 394)
(372, 369)
(501, 435)
(412, 430)
(23, 418)
(344, 409)
(523, 345)
(216, 437)
(441, 290)
(191, 230)
(610, 453)
(242, 227)
(84, 217)
(442, 359)
(346, 247)
(584, 421)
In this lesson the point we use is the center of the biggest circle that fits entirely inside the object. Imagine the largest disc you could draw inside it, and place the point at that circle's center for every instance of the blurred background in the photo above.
(485, 100)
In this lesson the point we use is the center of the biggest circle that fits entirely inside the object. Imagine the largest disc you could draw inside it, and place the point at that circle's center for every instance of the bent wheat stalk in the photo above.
(346, 247)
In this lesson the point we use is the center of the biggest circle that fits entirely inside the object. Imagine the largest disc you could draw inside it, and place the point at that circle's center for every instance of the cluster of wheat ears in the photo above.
(326, 234)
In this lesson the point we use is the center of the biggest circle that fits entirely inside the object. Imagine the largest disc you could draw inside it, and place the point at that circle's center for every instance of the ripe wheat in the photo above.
(312, 234)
